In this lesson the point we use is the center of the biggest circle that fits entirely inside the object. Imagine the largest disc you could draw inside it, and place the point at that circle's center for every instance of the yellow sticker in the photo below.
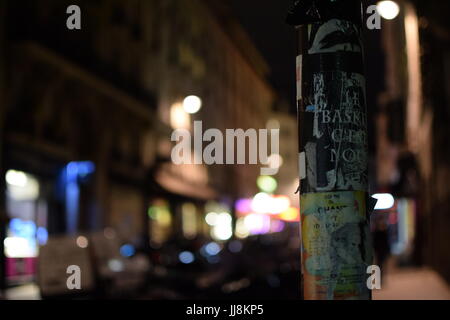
(336, 248)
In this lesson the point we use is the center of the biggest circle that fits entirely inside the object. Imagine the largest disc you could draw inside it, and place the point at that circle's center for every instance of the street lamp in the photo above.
(179, 118)
(388, 9)
(192, 104)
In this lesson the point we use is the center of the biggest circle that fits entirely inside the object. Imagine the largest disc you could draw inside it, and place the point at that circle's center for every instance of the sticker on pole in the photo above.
(336, 248)
(333, 110)
(299, 68)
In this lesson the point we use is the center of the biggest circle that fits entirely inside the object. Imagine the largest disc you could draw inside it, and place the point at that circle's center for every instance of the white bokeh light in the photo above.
(275, 161)
(223, 228)
(82, 242)
(385, 201)
(179, 118)
(388, 9)
(16, 178)
(192, 104)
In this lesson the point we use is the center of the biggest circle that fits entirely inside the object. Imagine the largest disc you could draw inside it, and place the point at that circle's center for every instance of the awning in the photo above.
(185, 180)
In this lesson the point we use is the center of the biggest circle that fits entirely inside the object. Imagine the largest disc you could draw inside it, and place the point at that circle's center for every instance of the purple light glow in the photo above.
(244, 206)
(277, 226)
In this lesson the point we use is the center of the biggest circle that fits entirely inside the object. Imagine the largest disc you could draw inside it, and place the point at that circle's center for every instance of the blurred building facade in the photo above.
(88, 113)
(412, 130)
(287, 179)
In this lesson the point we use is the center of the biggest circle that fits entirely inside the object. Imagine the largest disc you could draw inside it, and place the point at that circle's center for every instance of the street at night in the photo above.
(212, 150)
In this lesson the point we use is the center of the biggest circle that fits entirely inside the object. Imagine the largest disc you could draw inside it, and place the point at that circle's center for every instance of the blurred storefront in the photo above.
(177, 203)
(27, 226)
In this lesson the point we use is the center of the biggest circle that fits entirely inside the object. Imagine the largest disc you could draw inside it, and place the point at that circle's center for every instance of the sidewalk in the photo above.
(413, 284)
(399, 284)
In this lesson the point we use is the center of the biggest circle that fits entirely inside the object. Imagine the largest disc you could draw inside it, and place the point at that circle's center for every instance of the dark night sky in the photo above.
(264, 21)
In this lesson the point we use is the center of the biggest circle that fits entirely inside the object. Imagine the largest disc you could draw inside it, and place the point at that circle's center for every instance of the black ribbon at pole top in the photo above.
(311, 11)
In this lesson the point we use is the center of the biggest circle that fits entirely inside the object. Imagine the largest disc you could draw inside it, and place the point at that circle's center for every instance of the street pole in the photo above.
(331, 102)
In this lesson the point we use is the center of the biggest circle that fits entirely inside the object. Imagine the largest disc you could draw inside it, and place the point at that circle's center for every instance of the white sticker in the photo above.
(299, 64)
(302, 165)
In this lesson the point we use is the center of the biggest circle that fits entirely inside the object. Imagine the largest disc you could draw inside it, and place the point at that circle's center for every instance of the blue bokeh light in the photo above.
(186, 257)
(127, 250)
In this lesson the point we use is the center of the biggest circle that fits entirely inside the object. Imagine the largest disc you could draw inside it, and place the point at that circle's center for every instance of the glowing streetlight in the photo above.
(82, 242)
(223, 228)
(275, 161)
(388, 9)
(16, 178)
(192, 104)
(179, 119)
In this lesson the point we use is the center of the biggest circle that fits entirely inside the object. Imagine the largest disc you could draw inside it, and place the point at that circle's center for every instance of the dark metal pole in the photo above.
(336, 246)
